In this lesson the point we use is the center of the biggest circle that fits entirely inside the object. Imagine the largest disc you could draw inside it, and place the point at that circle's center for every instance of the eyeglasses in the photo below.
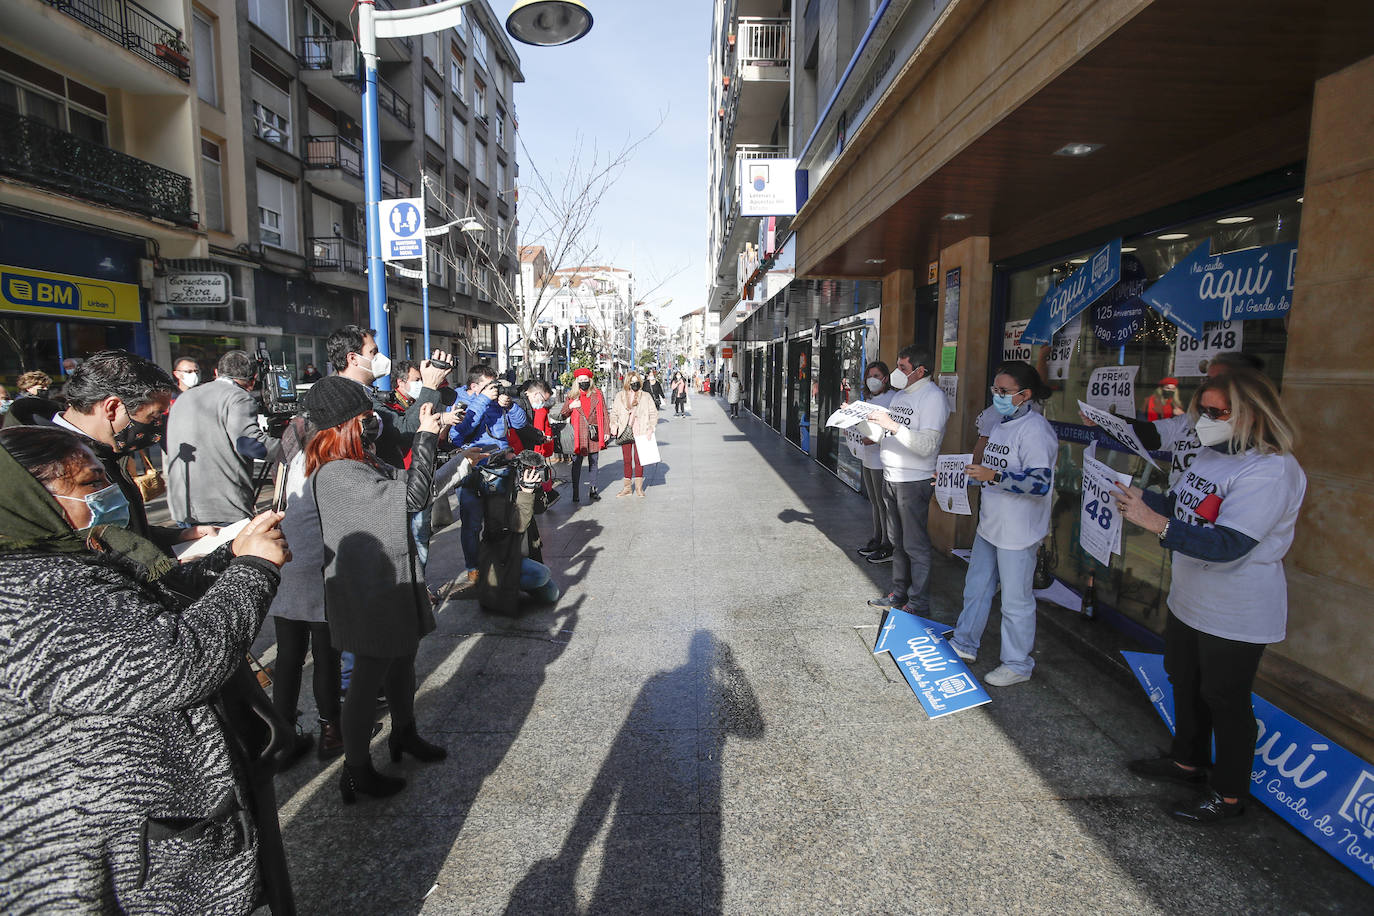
(1006, 393)
(1214, 413)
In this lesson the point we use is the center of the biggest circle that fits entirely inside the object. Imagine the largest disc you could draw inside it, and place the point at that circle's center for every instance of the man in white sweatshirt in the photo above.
(909, 435)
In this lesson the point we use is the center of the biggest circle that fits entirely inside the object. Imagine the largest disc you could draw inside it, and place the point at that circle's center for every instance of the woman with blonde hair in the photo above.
(1229, 522)
(633, 407)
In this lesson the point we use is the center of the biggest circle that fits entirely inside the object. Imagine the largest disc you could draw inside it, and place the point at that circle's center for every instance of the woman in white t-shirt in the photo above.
(1017, 474)
(879, 546)
(1228, 519)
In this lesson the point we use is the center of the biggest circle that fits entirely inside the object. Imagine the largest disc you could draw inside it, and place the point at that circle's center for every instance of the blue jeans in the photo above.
(470, 514)
(537, 579)
(1016, 570)
(419, 533)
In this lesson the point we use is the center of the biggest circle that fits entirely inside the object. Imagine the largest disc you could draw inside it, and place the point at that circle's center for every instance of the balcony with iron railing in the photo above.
(130, 25)
(763, 48)
(756, 80)
(393, 185)
(333, 152)
(336, 254)
(36, 152)
(316, 56)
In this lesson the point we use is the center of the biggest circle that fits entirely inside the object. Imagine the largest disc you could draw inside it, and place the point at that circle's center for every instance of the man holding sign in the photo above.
(1017, 474)
(909, 433)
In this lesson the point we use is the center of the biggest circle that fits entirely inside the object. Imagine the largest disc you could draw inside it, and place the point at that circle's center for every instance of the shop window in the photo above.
(1120, 330)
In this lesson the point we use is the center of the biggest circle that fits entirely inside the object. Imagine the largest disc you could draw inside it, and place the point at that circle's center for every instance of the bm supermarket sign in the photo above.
(38, 292)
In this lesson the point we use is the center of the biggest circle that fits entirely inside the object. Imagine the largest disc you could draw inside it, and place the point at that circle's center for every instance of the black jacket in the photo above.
(398, 431)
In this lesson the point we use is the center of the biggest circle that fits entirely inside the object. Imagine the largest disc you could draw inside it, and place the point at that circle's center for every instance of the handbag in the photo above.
(150, 483)
(627, 435)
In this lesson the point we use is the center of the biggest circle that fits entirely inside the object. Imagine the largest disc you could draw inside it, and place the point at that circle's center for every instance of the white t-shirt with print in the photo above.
(1260, 495)
(1176, 435)
(1014, 521)
(873, 454)
(987, 420)
(921, 406)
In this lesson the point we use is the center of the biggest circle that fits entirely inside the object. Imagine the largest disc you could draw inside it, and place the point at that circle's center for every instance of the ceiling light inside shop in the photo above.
(955, 217)
(876, 261)
(1232, 220)
(1299, 200)
(1172, 236)
(1078, 149)
(1078, 260)
(1126, 249)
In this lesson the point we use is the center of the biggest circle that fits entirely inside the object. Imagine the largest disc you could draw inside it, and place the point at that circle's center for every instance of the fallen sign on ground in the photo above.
(1307, 779)
(933, 670)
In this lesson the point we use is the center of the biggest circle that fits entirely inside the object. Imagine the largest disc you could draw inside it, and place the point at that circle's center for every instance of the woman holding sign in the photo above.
(1229, 521)
(1017, 474)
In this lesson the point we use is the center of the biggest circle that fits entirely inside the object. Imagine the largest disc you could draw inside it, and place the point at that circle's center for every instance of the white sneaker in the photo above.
(966, 656)
(1002, 676)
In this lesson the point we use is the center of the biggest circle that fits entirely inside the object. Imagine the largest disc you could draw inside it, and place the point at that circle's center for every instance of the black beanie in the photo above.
(335, 400)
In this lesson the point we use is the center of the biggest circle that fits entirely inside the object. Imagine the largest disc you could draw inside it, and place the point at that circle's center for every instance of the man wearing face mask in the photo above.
(187, 373)
(909, 434)
(213, 438)
(116, 399)
(353, 354)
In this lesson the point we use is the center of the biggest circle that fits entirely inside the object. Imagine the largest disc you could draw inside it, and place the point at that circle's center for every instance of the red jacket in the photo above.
(539, 419)
(593, 407)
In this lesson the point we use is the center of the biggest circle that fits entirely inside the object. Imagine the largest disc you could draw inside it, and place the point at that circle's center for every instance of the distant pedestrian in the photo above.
(654, 385)
(880, 394)
(733, 392)
(1228, 523)
(187, 373)
(679, 389)
(1164, 402)
(633, 408)
(585, 408)
(1017, 475)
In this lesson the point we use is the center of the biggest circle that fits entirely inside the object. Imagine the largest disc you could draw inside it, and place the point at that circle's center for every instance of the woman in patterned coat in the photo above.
(121, 789)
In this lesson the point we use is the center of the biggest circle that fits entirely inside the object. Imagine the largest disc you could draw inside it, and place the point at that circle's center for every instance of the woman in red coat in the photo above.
(586, 409)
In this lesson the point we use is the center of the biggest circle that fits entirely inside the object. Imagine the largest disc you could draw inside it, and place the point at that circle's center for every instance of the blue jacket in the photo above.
(485, 425)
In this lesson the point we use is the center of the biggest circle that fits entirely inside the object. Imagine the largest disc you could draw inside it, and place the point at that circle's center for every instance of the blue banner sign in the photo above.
(1240, 286)
(1307, 779)
(935, 672)
(1082, 288)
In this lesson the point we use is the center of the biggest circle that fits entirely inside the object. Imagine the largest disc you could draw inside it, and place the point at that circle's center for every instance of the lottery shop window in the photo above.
(1119, 330)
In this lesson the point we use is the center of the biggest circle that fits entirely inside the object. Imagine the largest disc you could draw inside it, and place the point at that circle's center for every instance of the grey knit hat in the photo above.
(335, 400)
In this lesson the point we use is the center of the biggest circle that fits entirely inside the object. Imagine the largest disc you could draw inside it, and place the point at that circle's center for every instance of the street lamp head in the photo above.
(548, 22)
(472, 225)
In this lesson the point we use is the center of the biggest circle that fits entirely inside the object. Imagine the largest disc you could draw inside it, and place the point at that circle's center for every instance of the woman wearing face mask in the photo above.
(585, 408)
(880, 393)
(733, 391)
(122, 789)
(679, 387)
(375, 597)
(633, 408)
(1017, 474)
(1229, 522)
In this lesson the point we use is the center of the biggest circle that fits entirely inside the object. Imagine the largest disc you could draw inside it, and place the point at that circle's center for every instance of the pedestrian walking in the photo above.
(909, 432)
(1228, 523)
(123, 790)
(585, 408)
(654, 385)
(679, 389)
(880, 394)
(733, 392)
(375, 597)
(1017, 475)
(634, 410)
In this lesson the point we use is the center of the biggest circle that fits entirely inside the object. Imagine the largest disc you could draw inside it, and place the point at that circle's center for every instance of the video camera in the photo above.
(275, 390)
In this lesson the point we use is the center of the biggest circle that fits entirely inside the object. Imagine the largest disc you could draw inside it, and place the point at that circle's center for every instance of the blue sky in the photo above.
(641, 61)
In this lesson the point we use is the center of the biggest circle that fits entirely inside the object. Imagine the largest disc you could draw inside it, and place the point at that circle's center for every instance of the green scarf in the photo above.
(31, 519)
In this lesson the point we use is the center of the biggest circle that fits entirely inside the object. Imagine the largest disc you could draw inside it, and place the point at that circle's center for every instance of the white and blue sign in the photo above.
(935, 672)
(771, 187)
(1081, 289)
(1307, 779)
(1120, 314)
(1240, 286)
(403, 228)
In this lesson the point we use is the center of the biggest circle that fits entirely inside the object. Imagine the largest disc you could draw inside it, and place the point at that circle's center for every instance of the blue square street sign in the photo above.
(403, 228)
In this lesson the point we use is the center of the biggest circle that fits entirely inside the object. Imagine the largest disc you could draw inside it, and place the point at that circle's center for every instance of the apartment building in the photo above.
(970, 162)
(203, 162)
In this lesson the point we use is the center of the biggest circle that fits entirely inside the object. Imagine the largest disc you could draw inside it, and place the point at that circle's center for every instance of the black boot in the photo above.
(290, 755)
(368, 781)
(331, 740)
(592, 495)
(409, 741)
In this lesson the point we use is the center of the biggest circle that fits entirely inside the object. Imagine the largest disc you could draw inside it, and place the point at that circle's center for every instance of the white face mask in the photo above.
(899, 379)
(414, 389)
(381, 365)
(537, 403)
(874, 384)
(190, 379)
(1213, 432)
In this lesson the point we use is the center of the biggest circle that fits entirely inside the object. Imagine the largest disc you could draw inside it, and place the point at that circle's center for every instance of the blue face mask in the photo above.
(1004, 404)
(108, 507)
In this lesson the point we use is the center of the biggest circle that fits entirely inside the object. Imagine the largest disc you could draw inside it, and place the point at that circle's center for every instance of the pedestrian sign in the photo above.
(403, 228)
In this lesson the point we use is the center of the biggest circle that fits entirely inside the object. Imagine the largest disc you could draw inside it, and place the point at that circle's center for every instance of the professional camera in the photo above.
(275, 387)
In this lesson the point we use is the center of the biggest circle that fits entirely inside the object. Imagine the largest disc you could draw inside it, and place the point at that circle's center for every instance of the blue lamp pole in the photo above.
(538, 22)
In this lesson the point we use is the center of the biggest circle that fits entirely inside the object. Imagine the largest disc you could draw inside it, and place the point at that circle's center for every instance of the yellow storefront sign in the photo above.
(38, 292)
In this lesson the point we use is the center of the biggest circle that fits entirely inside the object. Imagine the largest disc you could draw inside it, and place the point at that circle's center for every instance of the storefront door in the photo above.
(798, 393)
(841, 375)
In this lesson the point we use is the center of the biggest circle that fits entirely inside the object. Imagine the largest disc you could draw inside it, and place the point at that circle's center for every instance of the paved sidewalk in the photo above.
(699, 726)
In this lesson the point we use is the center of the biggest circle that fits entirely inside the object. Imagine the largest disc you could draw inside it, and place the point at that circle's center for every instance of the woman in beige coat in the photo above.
(633, 406)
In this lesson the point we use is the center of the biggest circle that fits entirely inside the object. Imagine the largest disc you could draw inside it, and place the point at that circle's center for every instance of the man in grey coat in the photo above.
(213, 437)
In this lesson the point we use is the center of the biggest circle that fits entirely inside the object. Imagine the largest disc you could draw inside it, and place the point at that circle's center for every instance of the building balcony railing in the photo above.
(764, 43)
(36, 152)
(388, 99)
(333, 152)
(393, 185)
(336, 253)
(126, 23)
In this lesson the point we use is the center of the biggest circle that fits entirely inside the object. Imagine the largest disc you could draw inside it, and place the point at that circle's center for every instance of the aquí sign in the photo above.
(1099, 273)
(1238, 286)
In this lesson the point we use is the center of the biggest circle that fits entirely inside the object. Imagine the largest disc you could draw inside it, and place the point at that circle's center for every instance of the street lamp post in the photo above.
(537, 22)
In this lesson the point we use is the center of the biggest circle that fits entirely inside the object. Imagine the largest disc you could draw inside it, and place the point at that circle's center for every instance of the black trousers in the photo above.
(1213, 678)
(591, 458)
(293, 637)
(395, 677)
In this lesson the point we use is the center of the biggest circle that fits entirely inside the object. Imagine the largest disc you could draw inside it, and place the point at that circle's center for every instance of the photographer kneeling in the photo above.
(510, 559)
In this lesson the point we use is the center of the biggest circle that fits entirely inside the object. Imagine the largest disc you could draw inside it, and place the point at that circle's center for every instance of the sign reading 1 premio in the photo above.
(40, 292)
(768, 187)
(403, 228)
